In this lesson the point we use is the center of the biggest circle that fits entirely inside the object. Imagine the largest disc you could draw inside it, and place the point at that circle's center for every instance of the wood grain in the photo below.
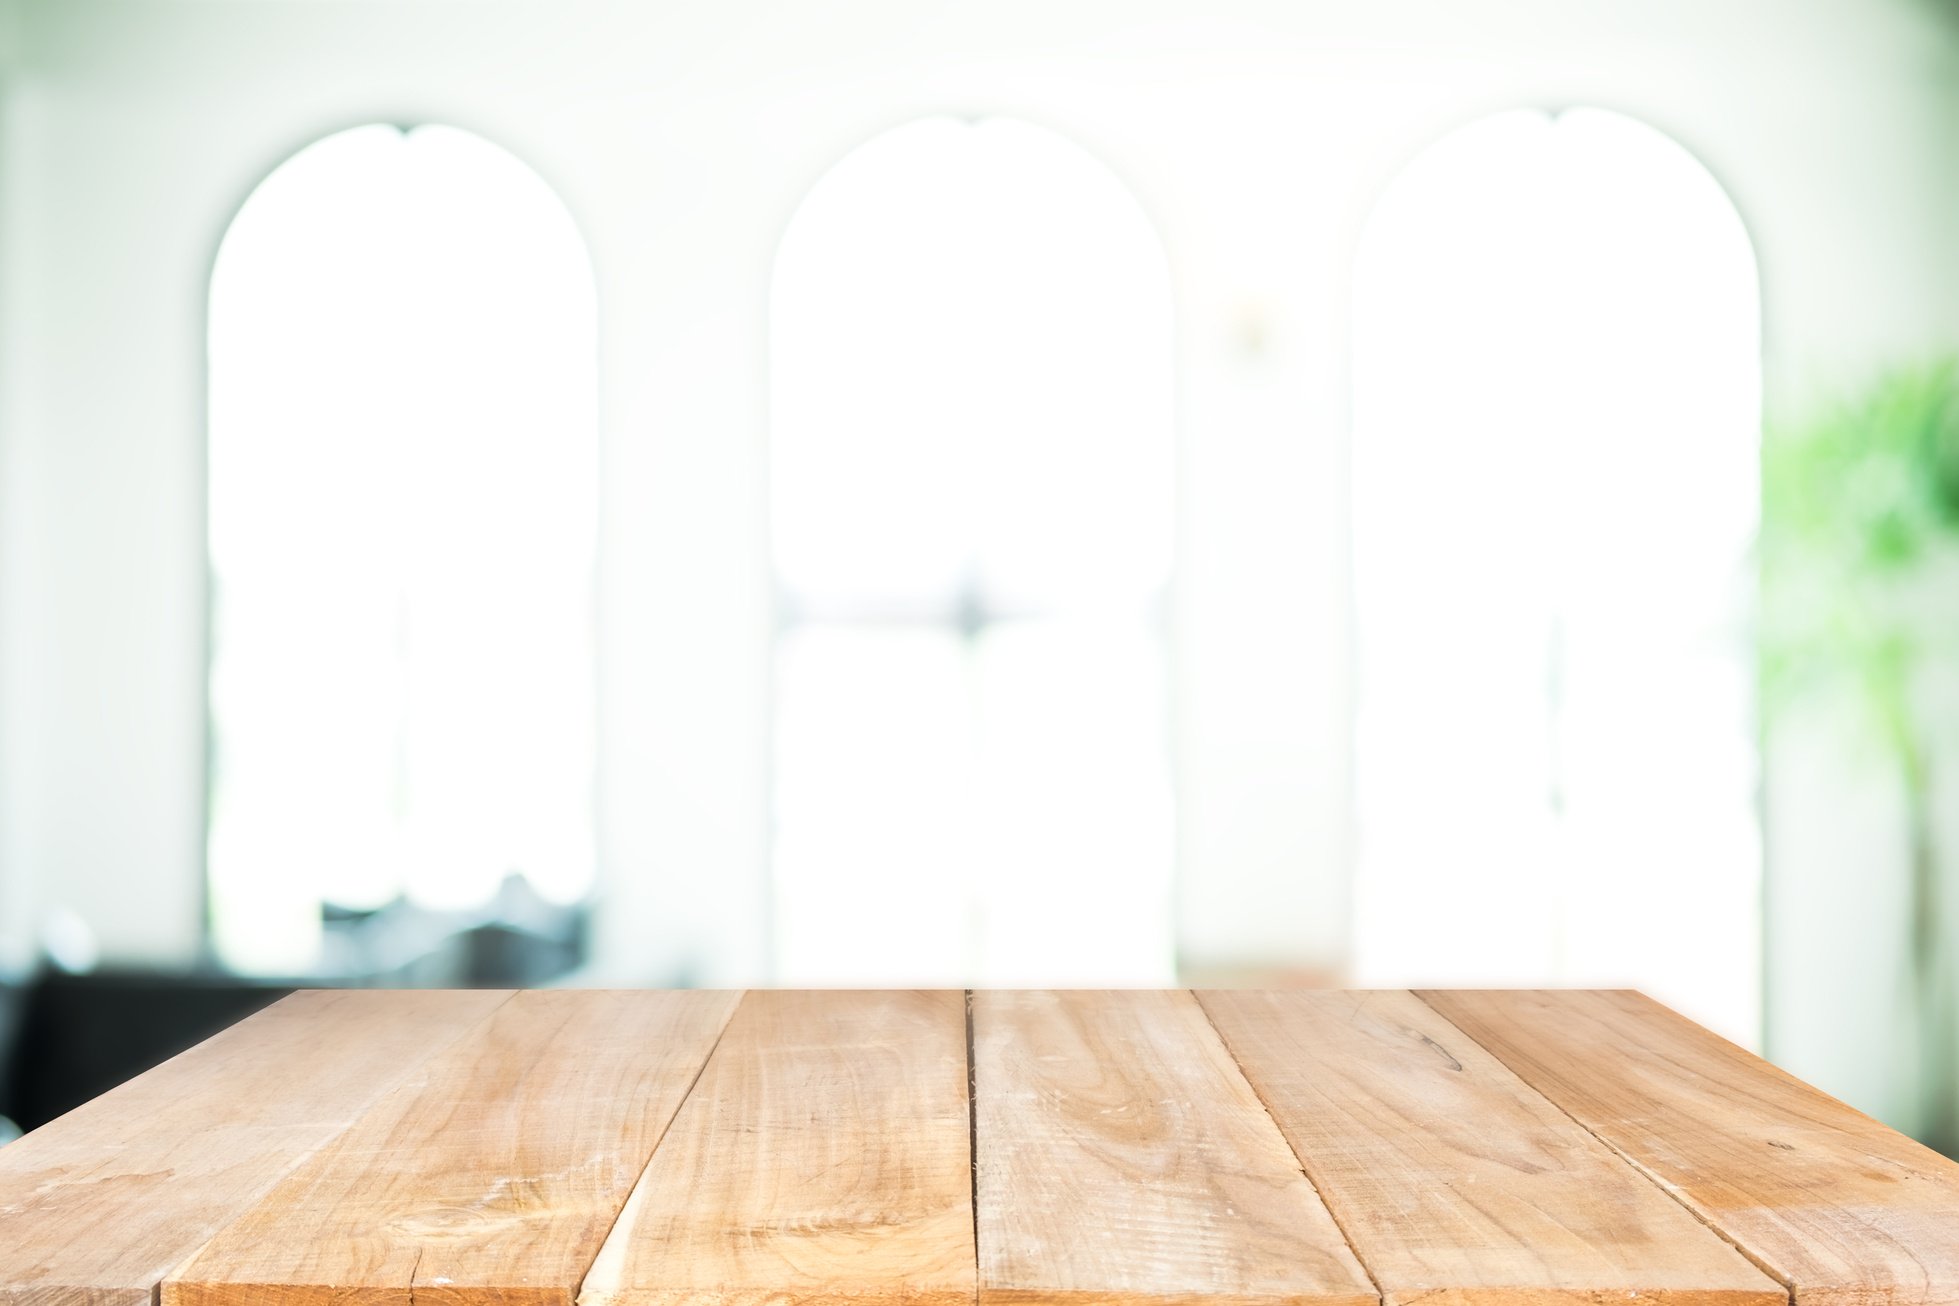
(823, 1159)
(1123, 1158)
(1834, 1204)
(1453, 1179)
(96, 1207)
(492, 1177)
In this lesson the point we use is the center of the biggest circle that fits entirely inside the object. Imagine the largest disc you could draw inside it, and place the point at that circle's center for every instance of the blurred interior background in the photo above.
(1053, 492)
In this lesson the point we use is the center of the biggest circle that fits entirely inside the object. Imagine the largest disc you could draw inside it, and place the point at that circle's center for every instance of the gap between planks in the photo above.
(579, 1294)
(815, 1159)
(972, 1142)
(599, 1248)
(1127, 1160)
(1299, 1160)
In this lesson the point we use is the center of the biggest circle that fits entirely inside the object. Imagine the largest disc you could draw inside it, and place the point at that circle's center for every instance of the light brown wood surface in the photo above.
(782, 1148)
(1844, 1210)
(823, 1158)
(96, 1207)
(1123, 1158)
(1453, 1179)
(493, 1176)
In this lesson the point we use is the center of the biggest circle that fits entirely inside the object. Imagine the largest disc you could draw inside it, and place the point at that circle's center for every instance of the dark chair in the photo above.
(77, 1036)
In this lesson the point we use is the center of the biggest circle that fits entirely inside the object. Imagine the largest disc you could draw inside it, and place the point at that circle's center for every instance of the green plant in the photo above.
(1860, 510)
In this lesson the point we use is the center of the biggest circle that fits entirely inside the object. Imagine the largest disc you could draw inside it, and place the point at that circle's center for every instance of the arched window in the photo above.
(403, 488)
(973, 528)
(1556, 436)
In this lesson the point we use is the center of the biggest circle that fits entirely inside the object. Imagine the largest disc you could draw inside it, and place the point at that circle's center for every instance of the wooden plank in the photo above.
(96, 1207)
(823, 1159)
(1451, 1177)
(1123, 1158)
(1842, 1209)
(492, 1177)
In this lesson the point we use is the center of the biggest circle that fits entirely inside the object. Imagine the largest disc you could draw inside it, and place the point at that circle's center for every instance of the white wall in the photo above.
(1255, 132)
(17, 892)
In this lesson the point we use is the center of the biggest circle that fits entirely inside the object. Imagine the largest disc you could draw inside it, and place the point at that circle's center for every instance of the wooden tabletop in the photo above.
(943, 1149)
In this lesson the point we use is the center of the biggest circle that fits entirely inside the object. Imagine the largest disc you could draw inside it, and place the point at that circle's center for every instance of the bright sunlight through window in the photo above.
(1556, 437)
(402, 496)
(973, 521)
